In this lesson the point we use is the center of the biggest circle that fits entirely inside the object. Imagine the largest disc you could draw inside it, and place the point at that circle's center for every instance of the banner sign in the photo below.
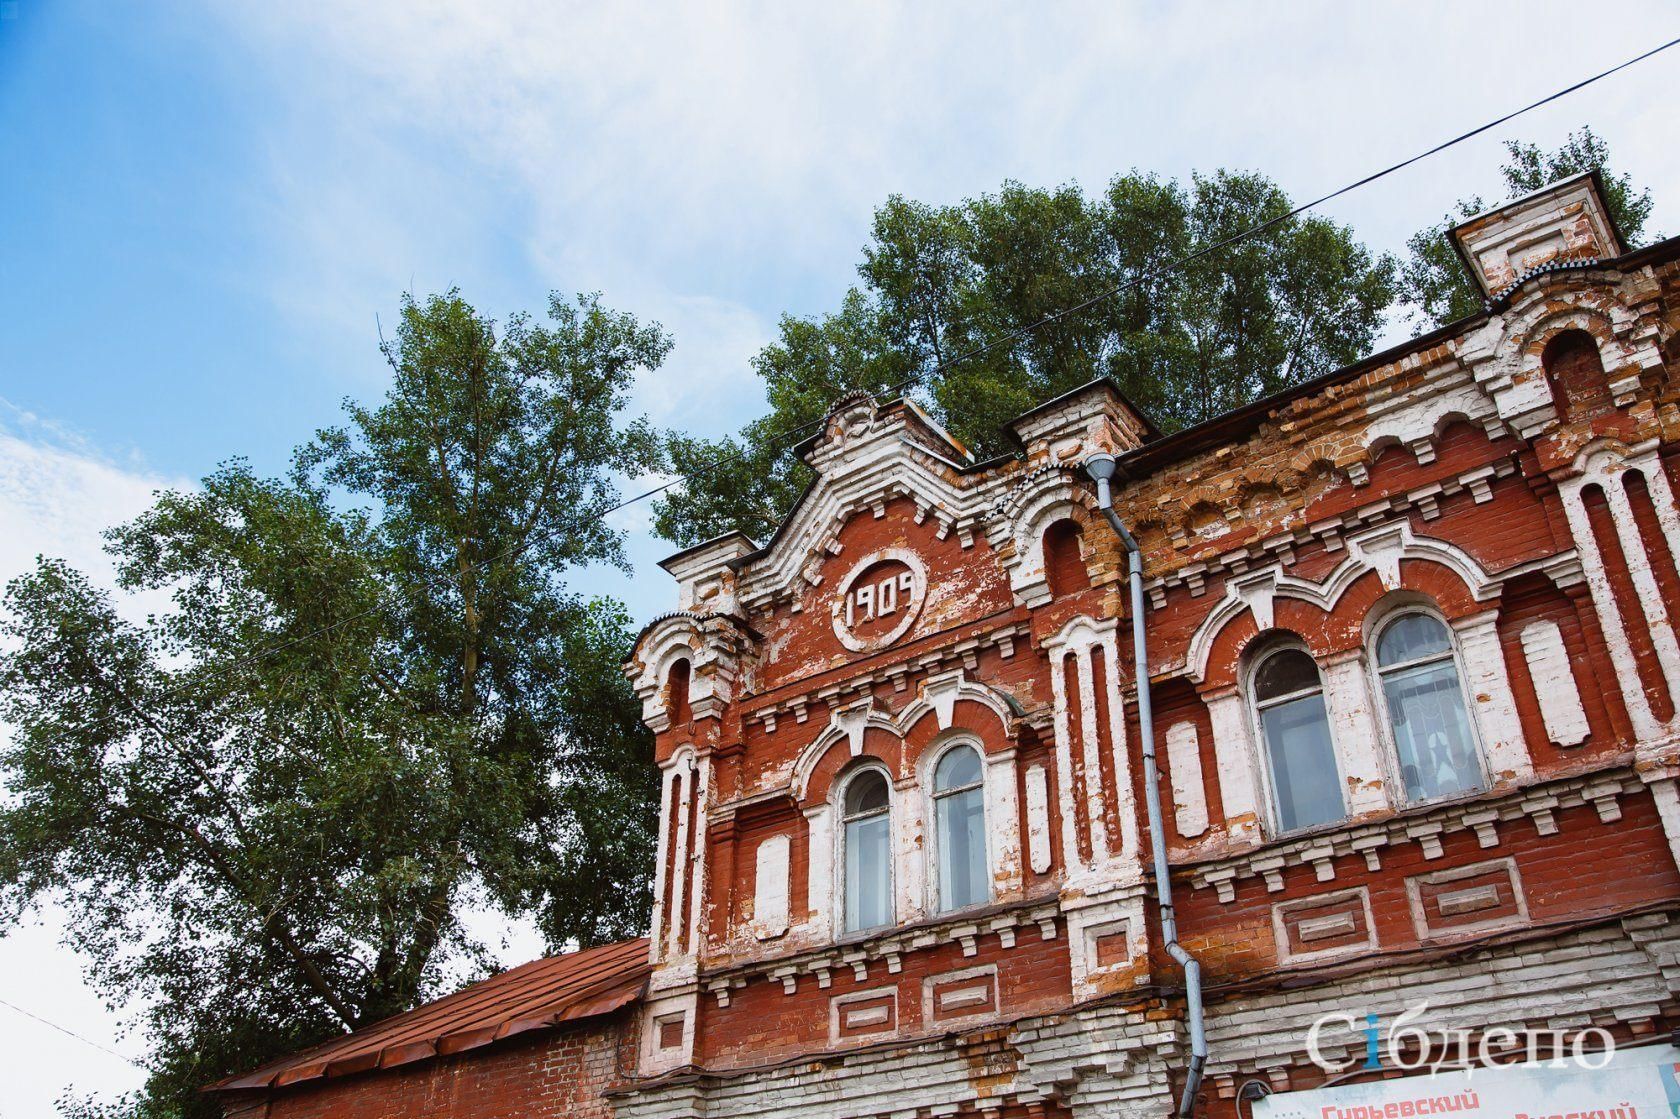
(1639, 1083)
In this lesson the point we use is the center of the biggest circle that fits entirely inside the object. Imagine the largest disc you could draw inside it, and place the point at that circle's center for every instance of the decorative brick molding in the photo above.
(1536, 806)
(1313, 928)
(1467, 899)
(969, 993)
(863, 1015)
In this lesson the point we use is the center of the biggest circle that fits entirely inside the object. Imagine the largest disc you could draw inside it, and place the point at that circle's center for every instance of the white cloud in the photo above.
(706, 383)
(716, 164)
(57, 495)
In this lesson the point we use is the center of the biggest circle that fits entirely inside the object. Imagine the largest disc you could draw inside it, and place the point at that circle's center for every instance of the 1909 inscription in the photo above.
(870, 601)
(877, 603)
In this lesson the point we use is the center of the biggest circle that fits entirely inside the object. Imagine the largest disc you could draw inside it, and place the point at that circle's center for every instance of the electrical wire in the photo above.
(72, 1033)
(939, 369)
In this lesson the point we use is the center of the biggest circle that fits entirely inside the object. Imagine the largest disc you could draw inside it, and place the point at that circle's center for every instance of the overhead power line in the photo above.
(940, 368)
(67, 1032)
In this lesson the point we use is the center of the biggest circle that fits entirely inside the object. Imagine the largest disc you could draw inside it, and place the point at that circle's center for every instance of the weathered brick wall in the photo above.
(764, 1024)
(562, 1074)
(1515, 480)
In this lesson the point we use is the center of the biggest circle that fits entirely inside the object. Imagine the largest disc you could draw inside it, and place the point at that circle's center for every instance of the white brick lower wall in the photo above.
(1108, 1060)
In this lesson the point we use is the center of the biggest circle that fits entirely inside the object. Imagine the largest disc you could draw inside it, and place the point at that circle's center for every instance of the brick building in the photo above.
(1414, 695)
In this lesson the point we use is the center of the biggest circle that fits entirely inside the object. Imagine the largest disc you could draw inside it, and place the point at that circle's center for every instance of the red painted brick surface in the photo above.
(1250, 495)
(558, 1075)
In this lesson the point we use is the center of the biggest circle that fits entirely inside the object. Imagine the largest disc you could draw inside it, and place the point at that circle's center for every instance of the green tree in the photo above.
(372, 704)
(1434, 282)
(947, 295)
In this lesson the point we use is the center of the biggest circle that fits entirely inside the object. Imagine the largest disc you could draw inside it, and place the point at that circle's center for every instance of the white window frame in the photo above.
(842, 789)
(1258, 729)
(930, 779)
(1391, 745)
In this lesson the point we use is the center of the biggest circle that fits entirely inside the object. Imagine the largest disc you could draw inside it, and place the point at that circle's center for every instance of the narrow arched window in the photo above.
(1424, 695)
(1576, 370)
(959, 812)
(1289, 707)
(676, 694)
(867, 841)
(1064, 561)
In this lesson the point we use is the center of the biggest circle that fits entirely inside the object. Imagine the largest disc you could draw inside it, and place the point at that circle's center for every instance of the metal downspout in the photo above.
(1101, 468)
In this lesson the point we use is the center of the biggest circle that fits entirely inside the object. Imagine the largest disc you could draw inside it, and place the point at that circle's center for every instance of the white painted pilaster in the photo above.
(1092, 748)
(697, 858)
(679, 863)
(1124, 807)
(1651, 604)
(1554, 684)
(910, 878)
(1064, 762)
(820, 887)
(1003, 823)
(656, 947)
(1488, 695)
(1239, 778)
(1667, 797)
(1356, 735)
(1645, 725)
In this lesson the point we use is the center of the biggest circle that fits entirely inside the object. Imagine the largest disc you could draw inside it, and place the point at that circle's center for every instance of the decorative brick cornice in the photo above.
(1536, 804)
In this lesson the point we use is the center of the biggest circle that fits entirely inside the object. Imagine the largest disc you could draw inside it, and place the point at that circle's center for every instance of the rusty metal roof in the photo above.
(533, 996)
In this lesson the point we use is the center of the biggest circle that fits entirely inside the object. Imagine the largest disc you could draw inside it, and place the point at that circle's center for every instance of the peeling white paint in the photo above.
(770, 888)
(1554, 684)
(1184, 759)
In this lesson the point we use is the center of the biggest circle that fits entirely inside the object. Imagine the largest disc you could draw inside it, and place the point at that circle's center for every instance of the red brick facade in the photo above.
(1422, 605)
(560, 1074)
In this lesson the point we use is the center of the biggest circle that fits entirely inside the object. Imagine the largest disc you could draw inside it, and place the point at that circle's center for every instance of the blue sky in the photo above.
(204, 207)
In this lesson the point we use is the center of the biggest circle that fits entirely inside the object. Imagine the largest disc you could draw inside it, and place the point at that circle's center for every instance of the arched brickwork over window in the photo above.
(676, 693)
(1064, 564)
(1577, 375)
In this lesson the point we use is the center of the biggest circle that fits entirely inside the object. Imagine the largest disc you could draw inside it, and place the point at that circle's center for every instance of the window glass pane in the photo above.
(1304, 777)
(1412, 637)
(962, 849)
(866, 793)
(868, 873)
(1432, 731)
(1283, 673)
(957, 768)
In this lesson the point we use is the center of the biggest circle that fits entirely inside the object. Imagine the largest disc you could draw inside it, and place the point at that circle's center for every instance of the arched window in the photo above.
(676, 694)
(1289, 708)
(1576, 369)
(867, 845)
(1064, 564)
(959, 812)
(1424, 696)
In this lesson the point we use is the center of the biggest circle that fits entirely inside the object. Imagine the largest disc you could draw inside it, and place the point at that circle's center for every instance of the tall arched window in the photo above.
(1289, 708)
(959, 812)
(1424, 695)
(867, 848)
(676, 693)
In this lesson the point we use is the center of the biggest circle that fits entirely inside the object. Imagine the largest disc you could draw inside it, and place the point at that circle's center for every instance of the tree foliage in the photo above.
(947, 294)
(1434, 281)
(372, 704)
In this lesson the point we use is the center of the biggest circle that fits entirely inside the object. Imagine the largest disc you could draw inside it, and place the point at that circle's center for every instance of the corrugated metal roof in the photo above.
(533, 996)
